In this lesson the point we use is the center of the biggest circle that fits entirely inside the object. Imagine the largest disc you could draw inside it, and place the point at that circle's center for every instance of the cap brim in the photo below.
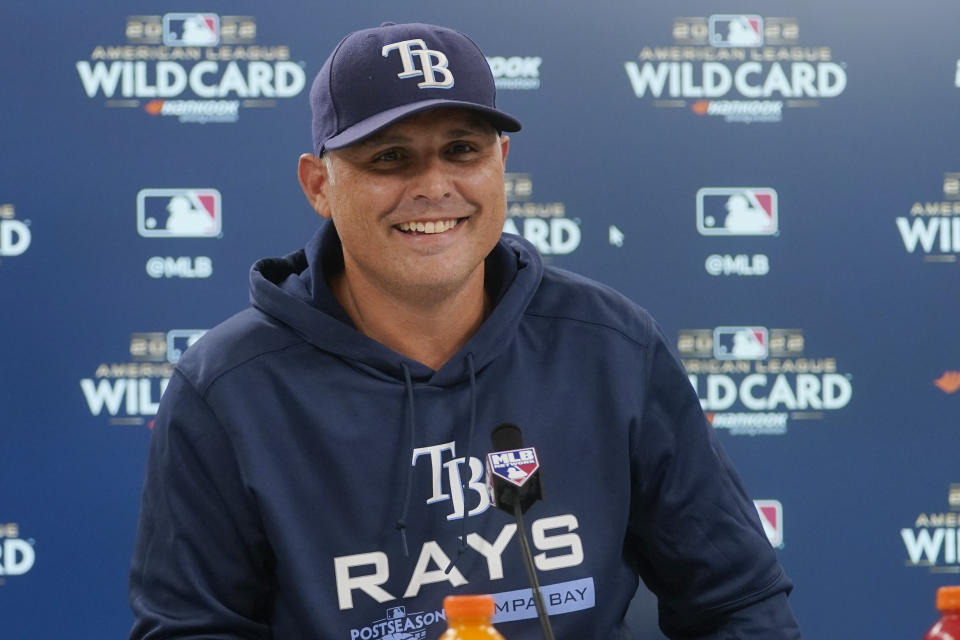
(366, 128)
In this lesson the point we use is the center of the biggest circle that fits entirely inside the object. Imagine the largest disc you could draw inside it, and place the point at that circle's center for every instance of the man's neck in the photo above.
(428, 328)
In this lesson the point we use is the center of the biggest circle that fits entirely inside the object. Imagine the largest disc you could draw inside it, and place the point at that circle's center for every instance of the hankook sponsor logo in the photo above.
(515, 72)
(948, 382)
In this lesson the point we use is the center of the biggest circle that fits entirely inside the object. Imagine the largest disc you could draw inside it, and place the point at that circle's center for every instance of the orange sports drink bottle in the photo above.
(469, 618)
(948, 627)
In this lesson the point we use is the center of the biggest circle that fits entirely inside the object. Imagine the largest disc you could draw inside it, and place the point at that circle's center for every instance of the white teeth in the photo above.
(432, 226)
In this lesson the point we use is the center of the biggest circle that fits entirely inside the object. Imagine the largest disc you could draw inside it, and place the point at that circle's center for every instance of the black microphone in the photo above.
(513, 478)
(513, 472)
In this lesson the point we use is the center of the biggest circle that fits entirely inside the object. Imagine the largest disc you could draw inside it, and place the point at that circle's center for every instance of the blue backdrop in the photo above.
(777, 182)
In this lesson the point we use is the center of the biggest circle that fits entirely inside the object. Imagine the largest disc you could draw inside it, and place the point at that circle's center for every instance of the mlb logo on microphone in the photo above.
(179, 213)
(736, 31)
(737, 211)
(741, 343)
(515, 466)
(771, 517)
(191, 29)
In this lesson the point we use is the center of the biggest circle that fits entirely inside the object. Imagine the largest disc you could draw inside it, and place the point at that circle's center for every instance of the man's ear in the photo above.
(312, 172)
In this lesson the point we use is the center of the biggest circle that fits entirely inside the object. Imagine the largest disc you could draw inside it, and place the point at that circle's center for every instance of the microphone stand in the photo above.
(532, 572)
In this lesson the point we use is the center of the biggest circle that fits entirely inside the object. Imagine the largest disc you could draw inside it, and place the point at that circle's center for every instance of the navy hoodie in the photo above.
(307, 482)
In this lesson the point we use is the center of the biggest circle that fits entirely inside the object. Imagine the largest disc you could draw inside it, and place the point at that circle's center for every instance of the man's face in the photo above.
(419, 205)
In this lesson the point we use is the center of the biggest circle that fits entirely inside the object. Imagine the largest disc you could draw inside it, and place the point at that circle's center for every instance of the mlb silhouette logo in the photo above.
(735, 31)
(737, 211)
(191, 29)
(395, 613)
(771, 517)
(741, 343)
(179, 213)
(178, 340)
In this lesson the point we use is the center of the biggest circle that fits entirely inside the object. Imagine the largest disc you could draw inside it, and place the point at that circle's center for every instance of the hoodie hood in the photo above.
(294, 290)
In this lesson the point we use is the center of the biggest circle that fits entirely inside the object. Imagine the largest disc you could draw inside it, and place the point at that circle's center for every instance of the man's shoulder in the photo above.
(564, 295)
(234, 342)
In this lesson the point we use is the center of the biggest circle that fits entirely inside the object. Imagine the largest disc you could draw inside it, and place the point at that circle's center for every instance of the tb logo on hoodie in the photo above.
(451, 470)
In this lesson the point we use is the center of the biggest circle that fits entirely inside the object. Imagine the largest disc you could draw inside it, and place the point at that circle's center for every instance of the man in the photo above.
(315, 467)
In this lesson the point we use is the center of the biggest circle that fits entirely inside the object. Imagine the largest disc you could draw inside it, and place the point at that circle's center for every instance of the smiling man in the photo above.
(417, 206)
(315, 469)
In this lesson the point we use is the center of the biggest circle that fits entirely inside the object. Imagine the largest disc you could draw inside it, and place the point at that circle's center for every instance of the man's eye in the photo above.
(391, 155)
(462, 147)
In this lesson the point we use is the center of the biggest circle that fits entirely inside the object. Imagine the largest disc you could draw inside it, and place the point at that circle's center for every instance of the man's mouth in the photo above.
(428, 227)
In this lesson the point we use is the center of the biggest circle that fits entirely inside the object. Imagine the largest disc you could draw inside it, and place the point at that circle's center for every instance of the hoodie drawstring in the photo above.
(402, 521)
(473, 422)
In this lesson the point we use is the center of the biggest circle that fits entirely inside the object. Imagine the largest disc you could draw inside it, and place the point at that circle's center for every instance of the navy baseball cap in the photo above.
(378, 76)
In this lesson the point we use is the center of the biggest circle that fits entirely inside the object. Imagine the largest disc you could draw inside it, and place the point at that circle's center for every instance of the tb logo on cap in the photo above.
(431, 62)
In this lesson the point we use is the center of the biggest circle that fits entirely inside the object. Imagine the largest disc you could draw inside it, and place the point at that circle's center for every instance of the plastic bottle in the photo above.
(948, 627)
(469, 618)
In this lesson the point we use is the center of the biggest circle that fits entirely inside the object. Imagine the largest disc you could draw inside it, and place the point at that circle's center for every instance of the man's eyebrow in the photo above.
(468, 131)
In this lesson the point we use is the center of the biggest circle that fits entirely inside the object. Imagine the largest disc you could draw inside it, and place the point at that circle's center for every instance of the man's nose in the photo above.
(432, 181)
